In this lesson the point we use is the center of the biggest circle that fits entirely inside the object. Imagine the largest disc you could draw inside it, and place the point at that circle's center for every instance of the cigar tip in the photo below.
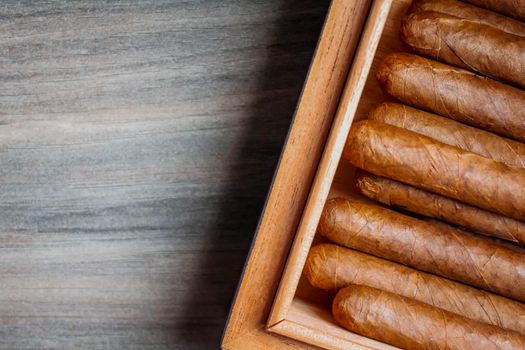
(407, 21)
(387, 66)
(361, 178)
(320, 268)
(370, 186)
(379, 111)
(345, 299)
(356, 127)
(311, 267)
(348, 152)
(315, 256)
(422, 31)
(338, 304)
(389, 113)
(417, 25)
(394, 65)
(327, 221)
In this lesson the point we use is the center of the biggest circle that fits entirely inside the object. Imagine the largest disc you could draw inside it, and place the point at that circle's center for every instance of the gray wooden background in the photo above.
(137, 143)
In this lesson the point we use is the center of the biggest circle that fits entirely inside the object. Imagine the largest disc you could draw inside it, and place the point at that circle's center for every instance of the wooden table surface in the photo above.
(137, 143)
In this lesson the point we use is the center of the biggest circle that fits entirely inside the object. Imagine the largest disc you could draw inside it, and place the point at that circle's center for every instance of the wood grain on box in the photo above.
(331, 156)
(315, 330)
(306, 140)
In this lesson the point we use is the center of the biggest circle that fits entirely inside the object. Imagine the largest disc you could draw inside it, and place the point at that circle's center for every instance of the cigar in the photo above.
(432, 205)
(454, 93)
(467, 44)
(472, 13)
(513, 8)
(411, 324)
(420, 161)
(452, 133)
(331, 267)
(441, 250)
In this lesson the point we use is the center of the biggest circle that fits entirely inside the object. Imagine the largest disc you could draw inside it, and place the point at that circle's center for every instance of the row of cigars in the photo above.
(434, 259)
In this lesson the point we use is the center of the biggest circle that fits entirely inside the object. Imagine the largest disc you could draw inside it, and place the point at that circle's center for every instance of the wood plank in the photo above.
(138, 140)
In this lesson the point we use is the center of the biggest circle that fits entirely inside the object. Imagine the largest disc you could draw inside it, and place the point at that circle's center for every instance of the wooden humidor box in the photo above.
(274, 308)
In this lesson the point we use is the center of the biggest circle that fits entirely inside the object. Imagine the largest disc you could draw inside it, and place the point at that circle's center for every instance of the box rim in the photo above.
(272, 182)
(356, 82)
(350, 41)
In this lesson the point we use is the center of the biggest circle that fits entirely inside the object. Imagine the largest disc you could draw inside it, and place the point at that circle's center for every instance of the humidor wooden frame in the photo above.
(356, 34)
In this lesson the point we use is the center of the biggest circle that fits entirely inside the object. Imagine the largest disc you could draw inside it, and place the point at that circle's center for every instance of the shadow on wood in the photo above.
(288, 56)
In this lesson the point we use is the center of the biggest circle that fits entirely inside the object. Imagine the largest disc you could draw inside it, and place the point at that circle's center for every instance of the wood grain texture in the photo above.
(137, 142)
(292, 182)
(357, 77)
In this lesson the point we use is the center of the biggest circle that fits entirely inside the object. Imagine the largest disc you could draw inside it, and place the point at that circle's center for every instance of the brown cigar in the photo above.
(441, 250)
(411, 324)
(423, 162)
(472, 13)
(513, 8)
(454, 93)
(467, 44)
(452, 133)
(330, 267)
(432, 205)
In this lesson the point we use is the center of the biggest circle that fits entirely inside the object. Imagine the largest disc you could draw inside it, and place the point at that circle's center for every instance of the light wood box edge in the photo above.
(284, 319)
(246, 325)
